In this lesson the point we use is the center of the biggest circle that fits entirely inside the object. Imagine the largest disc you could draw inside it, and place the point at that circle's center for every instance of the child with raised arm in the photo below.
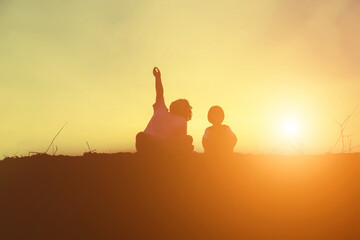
(218, 139)
(166, 130)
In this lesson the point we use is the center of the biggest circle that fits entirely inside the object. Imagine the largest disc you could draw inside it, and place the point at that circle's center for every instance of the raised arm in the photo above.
(158, 85)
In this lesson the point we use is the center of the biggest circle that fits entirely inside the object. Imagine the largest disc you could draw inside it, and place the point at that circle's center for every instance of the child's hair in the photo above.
(216, 115)
(181, 108)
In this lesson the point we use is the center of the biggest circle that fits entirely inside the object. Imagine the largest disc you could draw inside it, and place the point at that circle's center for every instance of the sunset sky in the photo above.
(281, 70)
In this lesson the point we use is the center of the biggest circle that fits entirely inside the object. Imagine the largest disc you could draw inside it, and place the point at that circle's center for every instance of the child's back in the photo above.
(218, 139)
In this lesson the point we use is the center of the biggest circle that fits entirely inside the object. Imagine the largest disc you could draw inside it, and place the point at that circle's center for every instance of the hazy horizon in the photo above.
(269, 64)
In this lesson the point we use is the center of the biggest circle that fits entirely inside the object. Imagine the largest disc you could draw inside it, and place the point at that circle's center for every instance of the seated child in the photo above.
(166, 130)
(218, 138)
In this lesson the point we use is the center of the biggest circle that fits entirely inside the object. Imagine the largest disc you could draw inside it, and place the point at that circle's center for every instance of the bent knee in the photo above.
(189, 139)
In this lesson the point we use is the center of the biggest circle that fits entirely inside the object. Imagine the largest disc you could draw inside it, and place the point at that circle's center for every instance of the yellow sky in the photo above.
(89, 63)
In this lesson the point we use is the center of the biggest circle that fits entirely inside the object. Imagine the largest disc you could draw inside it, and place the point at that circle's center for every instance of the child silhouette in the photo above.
(218, 138)
(166, 130)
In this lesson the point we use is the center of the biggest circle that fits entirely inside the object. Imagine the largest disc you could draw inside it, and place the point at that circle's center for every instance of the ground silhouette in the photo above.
(134, 196)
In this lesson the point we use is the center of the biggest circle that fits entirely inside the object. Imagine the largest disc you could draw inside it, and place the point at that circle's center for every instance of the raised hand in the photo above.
(156, 72)
(158, 85)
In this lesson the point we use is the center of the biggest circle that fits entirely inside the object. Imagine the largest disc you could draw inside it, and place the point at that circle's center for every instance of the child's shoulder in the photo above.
(221, 127)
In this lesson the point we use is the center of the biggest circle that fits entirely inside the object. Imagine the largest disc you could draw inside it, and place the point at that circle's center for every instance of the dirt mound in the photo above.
(129, 196)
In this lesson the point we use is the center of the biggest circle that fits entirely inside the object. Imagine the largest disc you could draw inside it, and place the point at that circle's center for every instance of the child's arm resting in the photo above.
(233, 138)
(205, 140)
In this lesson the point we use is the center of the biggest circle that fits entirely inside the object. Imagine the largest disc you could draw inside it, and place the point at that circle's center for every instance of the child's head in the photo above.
(181, 108)
(216, 115)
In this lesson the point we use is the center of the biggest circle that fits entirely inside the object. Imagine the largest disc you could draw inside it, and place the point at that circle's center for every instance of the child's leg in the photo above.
(143, 142)
(149, 144)
(188, 143)
(183, 145)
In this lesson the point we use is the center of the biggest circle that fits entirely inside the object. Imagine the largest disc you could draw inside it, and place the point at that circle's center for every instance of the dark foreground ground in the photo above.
(127, 196)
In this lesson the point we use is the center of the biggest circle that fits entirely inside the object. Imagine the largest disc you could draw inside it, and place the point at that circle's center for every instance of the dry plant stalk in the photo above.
(52, 141)
(342, 136)
(90, 151)
(299, 149)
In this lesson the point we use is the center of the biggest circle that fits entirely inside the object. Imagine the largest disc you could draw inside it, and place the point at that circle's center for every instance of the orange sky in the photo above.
(267, 63)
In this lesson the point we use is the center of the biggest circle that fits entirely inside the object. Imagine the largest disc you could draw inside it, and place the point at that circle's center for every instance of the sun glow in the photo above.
(290, 128)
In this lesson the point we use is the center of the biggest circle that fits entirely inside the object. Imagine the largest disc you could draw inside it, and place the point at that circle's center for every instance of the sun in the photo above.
(290, 127)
